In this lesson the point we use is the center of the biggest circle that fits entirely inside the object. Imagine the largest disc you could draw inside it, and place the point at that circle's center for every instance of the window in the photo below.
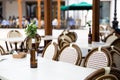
(104, 12)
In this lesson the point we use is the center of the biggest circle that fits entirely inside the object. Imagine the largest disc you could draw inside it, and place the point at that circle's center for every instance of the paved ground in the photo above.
(82, 36)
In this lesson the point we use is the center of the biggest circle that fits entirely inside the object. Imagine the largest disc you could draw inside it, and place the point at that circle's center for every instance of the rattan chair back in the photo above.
(50, 51)
(116, 42)
(111, 37)
(115, 54)
(70, 53)
(107, 77)
(108, 73)
(66, 37)
(27, 44)
(2, 51)
(98, 58)
(14, 33)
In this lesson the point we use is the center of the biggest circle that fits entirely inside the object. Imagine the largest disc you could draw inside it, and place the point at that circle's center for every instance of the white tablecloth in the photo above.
(19, 69)
(85, 46)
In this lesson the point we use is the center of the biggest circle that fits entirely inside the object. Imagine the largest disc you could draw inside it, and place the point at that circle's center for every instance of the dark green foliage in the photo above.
(31, 29)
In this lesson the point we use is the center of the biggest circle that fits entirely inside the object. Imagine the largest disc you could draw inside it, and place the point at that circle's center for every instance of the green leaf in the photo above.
(31, 29)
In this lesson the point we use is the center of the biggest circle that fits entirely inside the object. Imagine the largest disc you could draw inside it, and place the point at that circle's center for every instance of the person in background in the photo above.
(42, 23)
(5, 23)
(17, 22)
(36, 20)
(26, 22)
(14, 21)
(10, 21)
(71, 23)
(55, 23)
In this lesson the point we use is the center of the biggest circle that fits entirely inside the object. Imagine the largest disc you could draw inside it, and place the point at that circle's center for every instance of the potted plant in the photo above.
(31, 29)
(32, 36)
(31, 32)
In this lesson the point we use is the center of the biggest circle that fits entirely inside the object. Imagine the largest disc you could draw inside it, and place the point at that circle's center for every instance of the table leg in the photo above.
(16, 46)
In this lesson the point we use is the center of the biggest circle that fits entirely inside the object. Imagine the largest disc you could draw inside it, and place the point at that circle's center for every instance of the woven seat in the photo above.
(98, 58)
(70, 53)
(105, 74)
(50, 51)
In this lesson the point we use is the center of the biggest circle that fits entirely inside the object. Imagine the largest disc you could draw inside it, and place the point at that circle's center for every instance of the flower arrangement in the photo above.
(31, 29)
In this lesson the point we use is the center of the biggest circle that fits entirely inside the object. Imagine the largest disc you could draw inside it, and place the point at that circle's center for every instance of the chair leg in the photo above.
(6, 45)
(16, 46)
(11, 45)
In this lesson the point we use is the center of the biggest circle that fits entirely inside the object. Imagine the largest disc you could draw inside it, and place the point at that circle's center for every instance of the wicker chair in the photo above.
(115, 54)
(26, 45)
(62, 42)
(111, 37)
(2, 51)
(66, 37)
(116, 42)
(63, 39)
(107, 77)
(98, 58)
(70, 53)
(50, 51)
(105, 74)
(73, 36)
(13, 34)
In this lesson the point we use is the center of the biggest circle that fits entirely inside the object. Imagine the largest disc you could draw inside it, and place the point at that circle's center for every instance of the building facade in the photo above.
(29, 8)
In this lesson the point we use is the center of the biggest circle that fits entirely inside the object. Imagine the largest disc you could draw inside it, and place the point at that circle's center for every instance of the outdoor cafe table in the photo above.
(14, 41)
(17, 40)
(19, 69)
(85, 47)
(48, 37)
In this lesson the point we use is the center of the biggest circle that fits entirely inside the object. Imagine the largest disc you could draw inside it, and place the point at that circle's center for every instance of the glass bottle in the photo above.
(33, 55)
(89, 36)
